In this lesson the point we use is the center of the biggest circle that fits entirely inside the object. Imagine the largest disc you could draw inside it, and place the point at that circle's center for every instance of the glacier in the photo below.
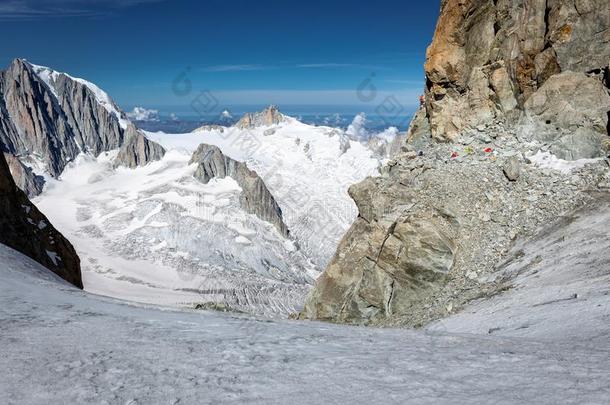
(154, 234)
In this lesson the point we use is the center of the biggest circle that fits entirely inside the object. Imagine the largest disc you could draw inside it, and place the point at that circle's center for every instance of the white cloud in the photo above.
(174, 117)
(142, 114)
(357, 127)
(388, 135)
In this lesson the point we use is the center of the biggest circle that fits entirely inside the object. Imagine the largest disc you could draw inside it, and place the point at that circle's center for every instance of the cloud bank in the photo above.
(142, 114)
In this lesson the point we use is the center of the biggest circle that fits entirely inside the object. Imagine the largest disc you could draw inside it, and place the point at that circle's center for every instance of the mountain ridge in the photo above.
(53, 117)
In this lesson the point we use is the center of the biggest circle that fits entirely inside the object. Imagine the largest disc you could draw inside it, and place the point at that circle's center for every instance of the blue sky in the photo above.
(243, 52)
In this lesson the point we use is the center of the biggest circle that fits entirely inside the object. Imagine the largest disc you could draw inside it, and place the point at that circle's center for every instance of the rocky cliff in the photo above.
(501, 60)
(24, 228)
(511, 87)
(53, 117)
(39, 125)
(255, 197)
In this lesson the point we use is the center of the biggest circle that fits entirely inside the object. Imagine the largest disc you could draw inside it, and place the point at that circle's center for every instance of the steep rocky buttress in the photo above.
(24, 228)
(255, 197)
(511, 87)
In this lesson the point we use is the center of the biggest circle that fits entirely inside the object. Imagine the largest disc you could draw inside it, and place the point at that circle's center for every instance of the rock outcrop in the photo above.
(27, 230)
(509, 84)
(24, 177)
(268, 117)
(255, 197)
(137, 149)
(54, 117)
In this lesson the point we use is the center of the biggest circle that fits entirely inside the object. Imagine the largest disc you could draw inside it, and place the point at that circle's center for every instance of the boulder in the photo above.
(568, 101)
(582, 144)
(394, 257)
(512, 169)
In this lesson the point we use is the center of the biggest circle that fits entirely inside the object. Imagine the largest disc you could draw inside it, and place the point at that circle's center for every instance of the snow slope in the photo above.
(62, 345)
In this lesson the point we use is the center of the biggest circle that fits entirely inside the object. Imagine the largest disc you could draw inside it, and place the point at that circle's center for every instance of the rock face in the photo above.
(24, 228)
(137, 149)
(270, 116)
(570, 112)
(24, 177)
(489, 57)
(41, 125)
(418, 134)
(54, 117)
(508, 83)
(255, 197)
(404, 256)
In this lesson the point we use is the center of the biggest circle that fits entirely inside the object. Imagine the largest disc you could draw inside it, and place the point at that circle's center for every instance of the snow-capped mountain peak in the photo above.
(50, 76)
(51, 117)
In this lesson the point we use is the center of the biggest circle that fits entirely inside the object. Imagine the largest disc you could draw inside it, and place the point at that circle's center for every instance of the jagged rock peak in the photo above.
(27, 230)
(255, 197)
(268, 117)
